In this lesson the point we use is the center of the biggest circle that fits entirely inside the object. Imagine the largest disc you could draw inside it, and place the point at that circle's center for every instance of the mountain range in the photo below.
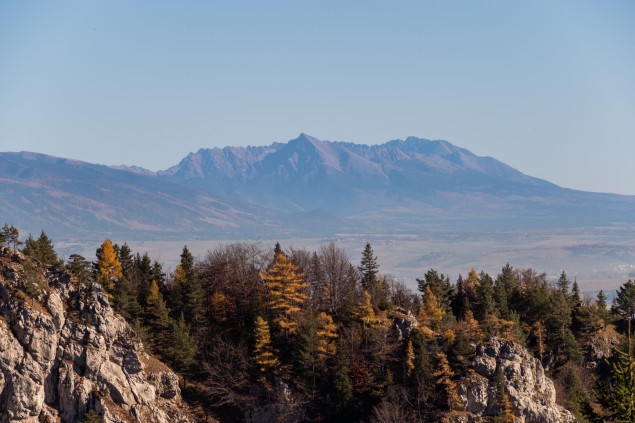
(305, 187)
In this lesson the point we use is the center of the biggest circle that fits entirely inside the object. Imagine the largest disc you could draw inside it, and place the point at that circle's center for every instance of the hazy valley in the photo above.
(422, 204)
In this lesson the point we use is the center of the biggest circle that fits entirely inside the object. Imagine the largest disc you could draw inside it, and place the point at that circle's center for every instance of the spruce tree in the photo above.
(575, 293)
(182, 347)
(368, 268)
(157, 318)
(563, 283)
(45, 252)
(617, 395)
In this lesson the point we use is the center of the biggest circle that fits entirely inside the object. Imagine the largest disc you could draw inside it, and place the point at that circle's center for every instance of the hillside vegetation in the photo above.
(297, 335)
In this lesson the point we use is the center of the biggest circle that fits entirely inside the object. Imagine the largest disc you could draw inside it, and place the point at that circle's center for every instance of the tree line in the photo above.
(308, 335)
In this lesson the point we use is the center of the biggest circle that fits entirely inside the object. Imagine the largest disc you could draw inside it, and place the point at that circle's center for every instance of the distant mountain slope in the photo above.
(77, 199)
(303, 187)
(399, 184)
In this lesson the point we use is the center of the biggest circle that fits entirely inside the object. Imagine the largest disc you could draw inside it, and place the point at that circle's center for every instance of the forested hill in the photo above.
(297, 335)
(305, 187)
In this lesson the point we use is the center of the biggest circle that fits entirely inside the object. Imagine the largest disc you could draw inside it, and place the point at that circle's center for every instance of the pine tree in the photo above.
(485, 302)
(286, 288)
(108, 266)
(368, 268)
(11, 235)
(504, 412)
(41, 249)
(187, 295)
(575, 293)
(263, 353)
(157, 318)
(439, 285)
(563, 283)
(617, 395)
(3, 235)
(80, 268)
(601, 300)
(182, 349)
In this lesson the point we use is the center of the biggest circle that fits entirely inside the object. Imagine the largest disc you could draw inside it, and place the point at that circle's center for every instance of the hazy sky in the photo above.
(546, 86)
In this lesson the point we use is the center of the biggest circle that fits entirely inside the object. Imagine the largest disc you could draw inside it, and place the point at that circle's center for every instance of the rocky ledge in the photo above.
(531, 393)
(65, 355)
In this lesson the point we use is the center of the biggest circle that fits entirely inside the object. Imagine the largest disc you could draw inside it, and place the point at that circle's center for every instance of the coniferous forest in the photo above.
(295, 335)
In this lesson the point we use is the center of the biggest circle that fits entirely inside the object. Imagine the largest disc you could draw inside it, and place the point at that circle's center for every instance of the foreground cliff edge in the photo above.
(65, 355)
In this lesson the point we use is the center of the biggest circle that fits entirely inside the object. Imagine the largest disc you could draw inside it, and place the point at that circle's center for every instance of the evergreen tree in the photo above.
(277, 250)
(368, 268)
(182, 350)
(504, 289)
(125, 294)
(79, 267)
(11, 235)
(157, 318)
(601, 300)
(617, 395)
(41, 249)
(439, 285)
(577, 401)
(126, 259)
(485, 303)
(3, 235)
(187, 295)
(504, 413)
(575, 293)
(563, 283)
(624, 306)
(460, 301)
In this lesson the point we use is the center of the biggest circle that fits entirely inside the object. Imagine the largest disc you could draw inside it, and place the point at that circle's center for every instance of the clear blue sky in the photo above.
(545, 86)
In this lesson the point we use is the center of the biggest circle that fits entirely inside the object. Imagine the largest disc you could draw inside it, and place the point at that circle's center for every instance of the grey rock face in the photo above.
(531, 393)
(66, 352)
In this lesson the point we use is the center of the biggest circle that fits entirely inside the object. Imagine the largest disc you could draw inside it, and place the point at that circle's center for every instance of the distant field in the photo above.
(599, 258)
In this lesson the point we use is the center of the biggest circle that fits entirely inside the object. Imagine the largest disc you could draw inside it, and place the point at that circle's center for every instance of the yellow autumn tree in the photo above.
(471, 283)
(432, 309)
(366, 313)
(444, 375)
(108, 266)
(327, 333)
(410, 358)
(287, 293)
(470, 327)
(264, 356)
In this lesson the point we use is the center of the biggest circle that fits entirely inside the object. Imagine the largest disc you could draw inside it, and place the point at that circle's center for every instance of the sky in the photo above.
(547, 87)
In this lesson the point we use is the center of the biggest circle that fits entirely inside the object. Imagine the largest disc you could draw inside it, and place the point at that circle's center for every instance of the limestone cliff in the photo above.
(65, 353)
(531, 393)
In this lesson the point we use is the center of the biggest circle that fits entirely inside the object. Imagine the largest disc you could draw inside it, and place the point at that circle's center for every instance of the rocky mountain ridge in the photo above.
(65, 353)
(303, 188)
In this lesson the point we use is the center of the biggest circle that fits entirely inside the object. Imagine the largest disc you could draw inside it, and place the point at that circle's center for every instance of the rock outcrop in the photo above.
(65, 353)
(531, 393)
